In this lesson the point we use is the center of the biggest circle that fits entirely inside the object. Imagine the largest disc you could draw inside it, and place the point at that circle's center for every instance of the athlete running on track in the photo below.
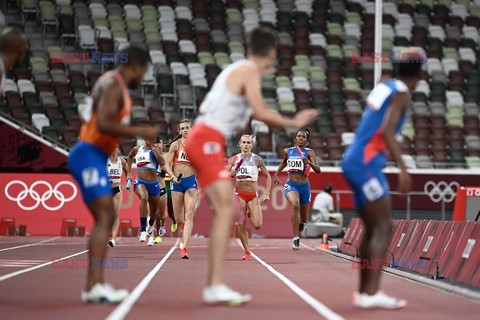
(245, 167)
(362, 165)
(233, 99)
(99, 136)
(162, 203)
(115, 167)
(297, 187)
(147, 187)
(185, 193)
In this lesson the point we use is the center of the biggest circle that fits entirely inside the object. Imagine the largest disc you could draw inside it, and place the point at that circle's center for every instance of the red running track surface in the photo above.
(175, 290)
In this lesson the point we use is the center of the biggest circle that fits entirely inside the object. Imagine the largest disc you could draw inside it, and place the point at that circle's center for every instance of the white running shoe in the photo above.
(161, 231)
(378, 300)
(143, 237)
(150, 229)
(104, 293)
(181, 246)
(111, 243)
(151, 241)
(223, 294)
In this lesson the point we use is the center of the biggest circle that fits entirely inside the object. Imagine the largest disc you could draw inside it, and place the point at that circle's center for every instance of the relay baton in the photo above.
(307, 167)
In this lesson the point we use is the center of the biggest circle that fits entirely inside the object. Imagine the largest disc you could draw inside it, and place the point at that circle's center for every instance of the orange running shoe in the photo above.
(184, 254)
(246, 256)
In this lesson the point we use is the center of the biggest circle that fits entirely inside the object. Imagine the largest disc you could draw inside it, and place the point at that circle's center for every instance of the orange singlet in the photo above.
(180, 155)
(89, 131)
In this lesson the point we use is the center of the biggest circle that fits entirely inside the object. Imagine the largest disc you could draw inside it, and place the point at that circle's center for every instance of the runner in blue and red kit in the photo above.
(362, 165)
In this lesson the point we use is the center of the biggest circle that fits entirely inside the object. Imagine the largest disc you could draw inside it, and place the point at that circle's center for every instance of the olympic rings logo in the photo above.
(52, 191)
(441, 191)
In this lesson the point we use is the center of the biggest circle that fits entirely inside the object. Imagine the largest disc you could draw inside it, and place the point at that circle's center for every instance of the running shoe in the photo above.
(143, 236)
(104, 293)
(223, 294)
(111, 243)
(301, 226)
(158, 239)
(151, 241)
(174, 227)
(246, 256)
(378, 300)
(296, 244)
(184, 253)
(161, 231)
(150, 229)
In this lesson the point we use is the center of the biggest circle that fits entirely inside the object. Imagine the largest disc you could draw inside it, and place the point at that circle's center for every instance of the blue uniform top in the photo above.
(295, 164)
(369, 144)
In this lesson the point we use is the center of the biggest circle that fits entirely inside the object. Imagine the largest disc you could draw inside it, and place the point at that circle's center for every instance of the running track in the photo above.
(306, 284)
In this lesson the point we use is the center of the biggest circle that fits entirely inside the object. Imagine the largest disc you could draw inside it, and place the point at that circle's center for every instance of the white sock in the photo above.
(296, 238)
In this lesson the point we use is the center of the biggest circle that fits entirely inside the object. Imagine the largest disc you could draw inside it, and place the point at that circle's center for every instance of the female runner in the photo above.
(115, 167)
(245, 166)
(297, 187)
(147, 186)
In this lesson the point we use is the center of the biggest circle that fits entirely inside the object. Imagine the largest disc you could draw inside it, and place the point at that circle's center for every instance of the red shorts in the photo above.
(246, 196)
(206, 151)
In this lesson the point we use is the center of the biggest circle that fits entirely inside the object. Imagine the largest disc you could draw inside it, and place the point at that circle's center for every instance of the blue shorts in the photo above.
(88, 165)
(153, 187)
(185, 184)
(366, 180)
(303, 190)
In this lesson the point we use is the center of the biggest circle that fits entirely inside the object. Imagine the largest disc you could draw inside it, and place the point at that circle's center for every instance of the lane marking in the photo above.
(17, 273)
(29, 245)
(322, 309)
(124, 308)
(443, 287)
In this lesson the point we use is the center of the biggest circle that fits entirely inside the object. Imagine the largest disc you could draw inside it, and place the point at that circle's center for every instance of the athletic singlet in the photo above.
(145, 159)
(368, 140)
(180, 156)
(89, 131)
(223, 110)
(249, 168)
(295, 164)
(115, 170)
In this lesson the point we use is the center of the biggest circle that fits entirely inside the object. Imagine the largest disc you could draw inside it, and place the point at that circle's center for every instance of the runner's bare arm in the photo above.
(265, 172)
(281, 166)
(110, 100)
(390, 122)
(169, 159)
(126, 170)
(131, 155)
(312, 161)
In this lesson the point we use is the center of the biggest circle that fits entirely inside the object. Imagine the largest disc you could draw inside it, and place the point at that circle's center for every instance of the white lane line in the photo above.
(443, 287)
(29, 245)
(124, 308)
(322, 309)
(17, 273)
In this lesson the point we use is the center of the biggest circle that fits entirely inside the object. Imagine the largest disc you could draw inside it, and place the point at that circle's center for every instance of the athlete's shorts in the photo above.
(206, 151)
(185, 184)
(88, 165)
(245, 195)
(153, 187)
(116, 190)
(303, 190)
(366, 180)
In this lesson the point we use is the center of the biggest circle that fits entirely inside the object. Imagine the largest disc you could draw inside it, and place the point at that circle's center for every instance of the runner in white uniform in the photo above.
(115, 167)
(147, 187)
(234, 97)
(245, 166)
